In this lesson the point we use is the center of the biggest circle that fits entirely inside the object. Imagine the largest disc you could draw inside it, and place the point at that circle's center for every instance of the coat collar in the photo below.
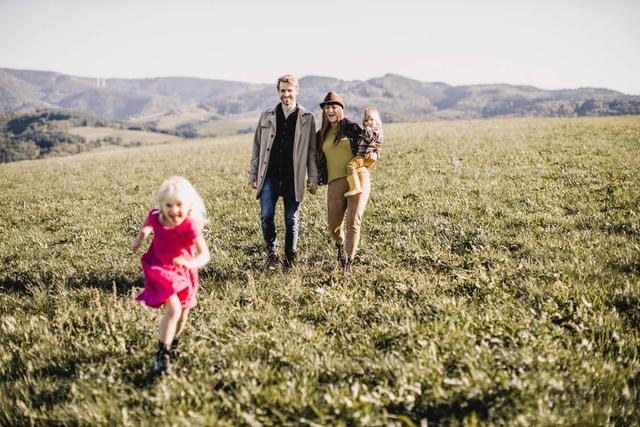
(303, 114)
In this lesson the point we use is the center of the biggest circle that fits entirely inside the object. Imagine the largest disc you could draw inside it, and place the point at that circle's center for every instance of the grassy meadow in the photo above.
(497, 283)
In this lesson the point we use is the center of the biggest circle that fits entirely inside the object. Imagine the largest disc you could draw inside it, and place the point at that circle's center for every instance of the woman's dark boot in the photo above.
(347, 266)
(342, 256)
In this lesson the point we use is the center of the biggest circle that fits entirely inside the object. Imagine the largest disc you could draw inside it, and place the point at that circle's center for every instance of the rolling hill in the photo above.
(211, 107)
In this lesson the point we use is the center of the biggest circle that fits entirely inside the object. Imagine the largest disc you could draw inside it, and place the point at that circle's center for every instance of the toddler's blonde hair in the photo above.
(371, 113)
(179, 188)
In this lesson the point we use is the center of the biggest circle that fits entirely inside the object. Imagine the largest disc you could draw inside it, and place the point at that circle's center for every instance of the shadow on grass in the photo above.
(629, 306)
(22, 283)
(458, 410)
(62, 374)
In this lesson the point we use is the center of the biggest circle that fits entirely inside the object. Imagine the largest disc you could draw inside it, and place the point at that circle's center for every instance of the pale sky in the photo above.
(550, 44)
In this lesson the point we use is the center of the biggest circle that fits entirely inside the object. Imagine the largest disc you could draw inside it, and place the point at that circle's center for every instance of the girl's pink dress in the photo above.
(161, 278)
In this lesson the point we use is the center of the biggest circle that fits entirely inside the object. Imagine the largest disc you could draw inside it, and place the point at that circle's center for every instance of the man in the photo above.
(284, 151)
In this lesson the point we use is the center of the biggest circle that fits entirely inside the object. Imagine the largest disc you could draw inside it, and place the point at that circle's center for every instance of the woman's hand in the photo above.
(313, 188)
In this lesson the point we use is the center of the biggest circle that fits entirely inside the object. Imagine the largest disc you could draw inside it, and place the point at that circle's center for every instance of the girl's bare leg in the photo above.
(170, 320)
(182, 322)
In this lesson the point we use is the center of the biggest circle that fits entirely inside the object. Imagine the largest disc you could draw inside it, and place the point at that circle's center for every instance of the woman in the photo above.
(338, 140)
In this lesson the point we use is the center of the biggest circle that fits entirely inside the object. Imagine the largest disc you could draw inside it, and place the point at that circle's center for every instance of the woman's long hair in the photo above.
(326, 125)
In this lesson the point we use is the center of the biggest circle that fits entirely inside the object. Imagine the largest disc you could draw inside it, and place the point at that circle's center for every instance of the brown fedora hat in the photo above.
(332, 98)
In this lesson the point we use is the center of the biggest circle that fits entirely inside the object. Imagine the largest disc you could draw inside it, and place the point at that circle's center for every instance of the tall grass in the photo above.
(497, 283)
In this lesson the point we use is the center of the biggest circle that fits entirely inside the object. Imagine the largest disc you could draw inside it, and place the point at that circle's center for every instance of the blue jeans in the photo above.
(271, 191)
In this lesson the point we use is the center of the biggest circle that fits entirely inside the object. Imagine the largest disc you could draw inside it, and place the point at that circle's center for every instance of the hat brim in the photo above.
(322, 104)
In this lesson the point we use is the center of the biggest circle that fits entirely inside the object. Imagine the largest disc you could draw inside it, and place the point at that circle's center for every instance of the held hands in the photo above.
(313, 188)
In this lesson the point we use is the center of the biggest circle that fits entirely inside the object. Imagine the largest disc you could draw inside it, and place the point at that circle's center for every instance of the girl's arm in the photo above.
(144, 232)
(202, 256)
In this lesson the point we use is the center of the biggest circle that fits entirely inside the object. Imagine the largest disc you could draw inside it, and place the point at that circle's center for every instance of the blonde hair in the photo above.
(179, 188)
(288, 78)
(371, 113)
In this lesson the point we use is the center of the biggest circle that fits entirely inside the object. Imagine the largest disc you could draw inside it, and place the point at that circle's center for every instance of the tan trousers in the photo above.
(344, 214)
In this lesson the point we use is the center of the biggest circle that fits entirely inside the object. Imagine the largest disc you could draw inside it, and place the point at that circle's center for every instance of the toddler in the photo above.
(171, 263)
(368, 150)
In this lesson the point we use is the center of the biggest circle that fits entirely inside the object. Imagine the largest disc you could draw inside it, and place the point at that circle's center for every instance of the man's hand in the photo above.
(253, 184)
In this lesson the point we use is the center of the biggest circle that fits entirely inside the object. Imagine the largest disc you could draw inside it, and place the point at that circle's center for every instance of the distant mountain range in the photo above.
(173, 102)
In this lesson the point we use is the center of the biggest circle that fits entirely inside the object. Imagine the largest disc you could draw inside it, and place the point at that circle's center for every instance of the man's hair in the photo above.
(288, 78)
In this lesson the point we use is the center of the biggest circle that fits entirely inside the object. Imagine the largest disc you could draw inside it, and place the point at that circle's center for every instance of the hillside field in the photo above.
(497, 284)
(200, 120)
(127, 137)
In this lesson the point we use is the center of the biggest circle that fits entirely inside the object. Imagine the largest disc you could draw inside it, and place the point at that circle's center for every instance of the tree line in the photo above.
(43, 134)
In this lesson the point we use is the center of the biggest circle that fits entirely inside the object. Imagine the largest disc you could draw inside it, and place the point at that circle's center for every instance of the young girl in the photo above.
(368, 149)
(171, 264)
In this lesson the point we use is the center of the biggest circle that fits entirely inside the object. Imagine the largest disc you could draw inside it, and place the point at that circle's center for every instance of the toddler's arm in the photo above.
(375, 138)
(376, 135)
(144, 232)
(202, 256)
